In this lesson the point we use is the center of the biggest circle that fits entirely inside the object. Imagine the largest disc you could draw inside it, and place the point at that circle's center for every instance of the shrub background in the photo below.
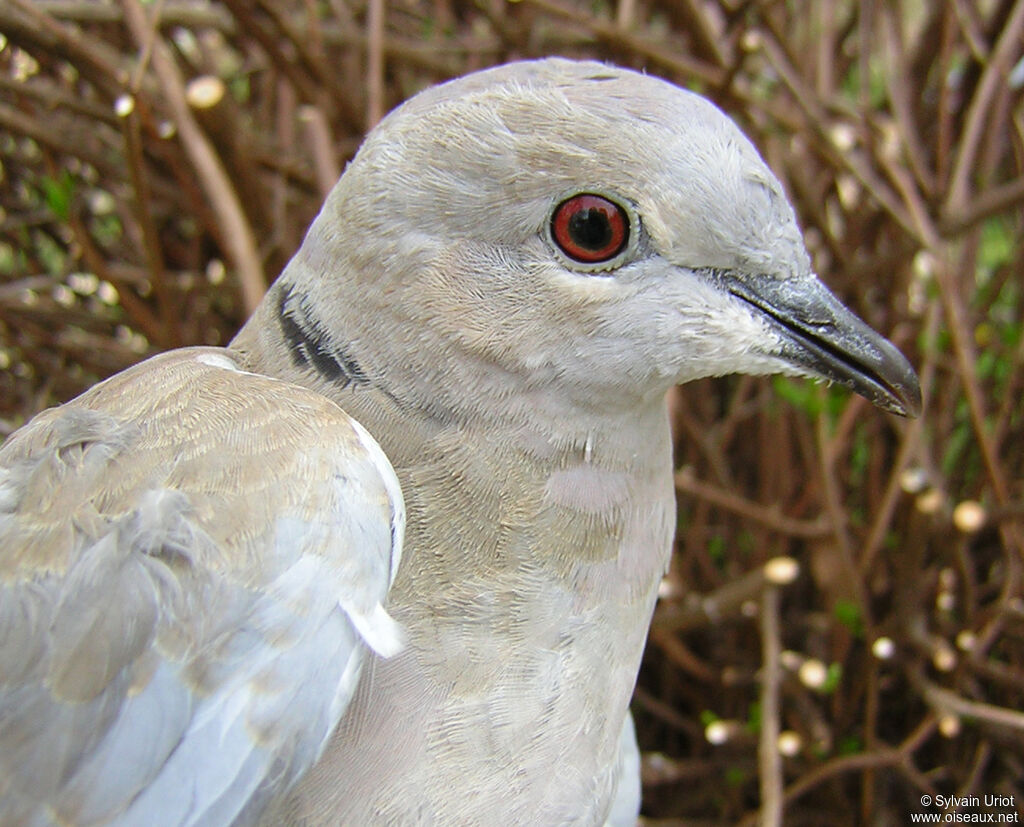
(160, 162)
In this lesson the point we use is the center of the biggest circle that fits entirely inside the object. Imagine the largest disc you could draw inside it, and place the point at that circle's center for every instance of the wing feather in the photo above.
(194, 562)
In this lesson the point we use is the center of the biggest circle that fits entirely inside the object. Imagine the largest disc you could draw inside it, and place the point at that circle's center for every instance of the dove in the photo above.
(390, 557)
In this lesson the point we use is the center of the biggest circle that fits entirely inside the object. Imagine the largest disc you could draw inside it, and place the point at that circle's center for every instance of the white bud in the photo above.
(913, 480)
(781, 570)
(883, 648)
(944, 658)
(718, 732)
(969, 516)
(789, 743)
(813, 673)
(930, 501)
(843, 135)
(124, 105)
(949, 725)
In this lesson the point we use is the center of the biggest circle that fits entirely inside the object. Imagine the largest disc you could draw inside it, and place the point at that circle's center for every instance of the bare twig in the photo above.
(237, 233)
(768, 516)
(769, 760)
(879, 759)
(374, 62)
(318, 139)
(993, 76)
(945, 701)
(608, 32)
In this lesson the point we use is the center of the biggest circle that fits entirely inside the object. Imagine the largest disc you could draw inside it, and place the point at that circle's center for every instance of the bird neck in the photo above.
(535, 543)
(522, 467)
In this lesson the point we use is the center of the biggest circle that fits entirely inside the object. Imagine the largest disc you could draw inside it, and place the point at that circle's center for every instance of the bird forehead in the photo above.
(514, 139)
(556, 123)
(571, 110)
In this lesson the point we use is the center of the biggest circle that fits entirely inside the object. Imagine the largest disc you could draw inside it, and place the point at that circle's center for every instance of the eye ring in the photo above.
(590, 228)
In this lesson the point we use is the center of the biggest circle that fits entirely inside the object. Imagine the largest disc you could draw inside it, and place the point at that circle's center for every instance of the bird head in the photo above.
(556, 230)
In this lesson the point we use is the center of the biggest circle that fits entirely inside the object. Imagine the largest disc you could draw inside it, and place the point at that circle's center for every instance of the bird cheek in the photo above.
(710, 335)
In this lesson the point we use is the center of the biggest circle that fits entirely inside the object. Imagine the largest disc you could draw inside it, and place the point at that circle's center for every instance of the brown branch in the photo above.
(325, 92)
(53, 98)
(19, 123)
(139, 314)
(237, 233)
(769, 760)
(704, 610)
(875, 760)
(375, 106)
(910, 445)
(828, 449)
(993, 76)
(901, 96)
(170, 334)
(992, 201)
(945, 701)
(321, 148)
(185, 13)
(677, 653)
(768, 516)
(607, 32)
(33, 29)
(817, 120)
(963, 349)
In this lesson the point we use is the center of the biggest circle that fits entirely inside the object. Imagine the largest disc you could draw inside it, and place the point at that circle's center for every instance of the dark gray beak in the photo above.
(822, 336)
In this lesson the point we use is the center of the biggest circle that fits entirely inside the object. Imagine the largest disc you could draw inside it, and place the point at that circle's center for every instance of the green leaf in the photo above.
(848, 613)
(997, 243)
(834, 676)
(57, 193)
(850, 745)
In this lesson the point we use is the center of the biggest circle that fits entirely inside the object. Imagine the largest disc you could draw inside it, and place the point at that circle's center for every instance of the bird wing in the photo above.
(625, 806)
(193, 562)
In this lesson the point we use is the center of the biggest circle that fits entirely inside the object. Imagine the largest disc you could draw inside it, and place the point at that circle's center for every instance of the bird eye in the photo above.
(589, 228)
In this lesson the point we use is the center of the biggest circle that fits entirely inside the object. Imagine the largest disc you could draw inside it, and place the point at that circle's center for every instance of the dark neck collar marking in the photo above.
(311, 345)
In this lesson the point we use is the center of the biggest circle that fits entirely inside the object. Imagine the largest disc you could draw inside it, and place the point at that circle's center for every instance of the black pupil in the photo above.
(590, 228)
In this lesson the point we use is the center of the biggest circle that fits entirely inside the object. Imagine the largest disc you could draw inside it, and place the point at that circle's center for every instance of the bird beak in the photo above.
(821, 336)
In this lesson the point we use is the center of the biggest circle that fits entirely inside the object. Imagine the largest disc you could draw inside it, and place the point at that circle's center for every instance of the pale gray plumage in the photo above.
(196, 554)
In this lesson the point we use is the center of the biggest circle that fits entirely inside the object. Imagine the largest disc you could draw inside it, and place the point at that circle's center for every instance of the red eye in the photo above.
(590, 228)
